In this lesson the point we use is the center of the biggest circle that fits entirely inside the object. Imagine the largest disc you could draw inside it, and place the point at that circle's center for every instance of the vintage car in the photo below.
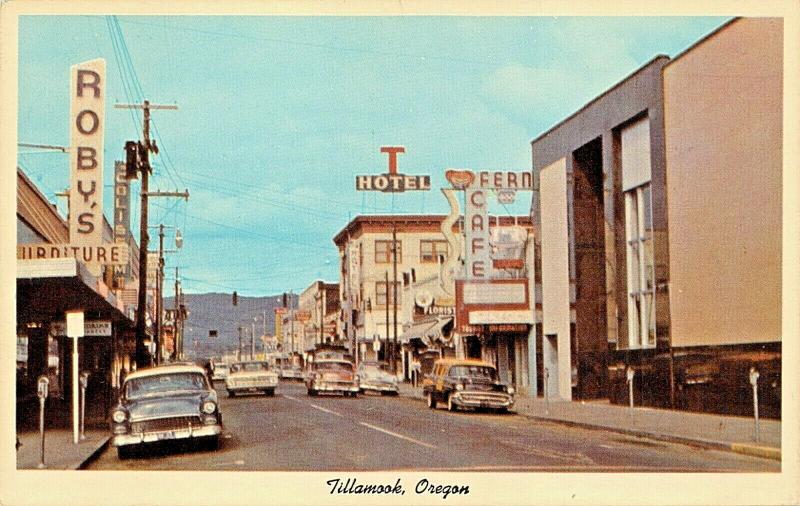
(373, 376)
(253, 376)
(292, 371)
(332, 376)
(165, 403)
(220, 371)
(466, 384)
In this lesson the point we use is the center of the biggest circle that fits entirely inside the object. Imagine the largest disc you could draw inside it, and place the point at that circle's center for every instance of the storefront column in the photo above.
(533, 386)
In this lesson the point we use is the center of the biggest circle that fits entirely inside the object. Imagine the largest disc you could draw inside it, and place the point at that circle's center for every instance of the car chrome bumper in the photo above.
(380, 387)
(480, 400)
(150, 437)
(333, 387)
(242, 388)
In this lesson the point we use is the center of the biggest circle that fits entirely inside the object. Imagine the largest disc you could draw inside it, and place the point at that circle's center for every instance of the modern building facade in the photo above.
(660, 243)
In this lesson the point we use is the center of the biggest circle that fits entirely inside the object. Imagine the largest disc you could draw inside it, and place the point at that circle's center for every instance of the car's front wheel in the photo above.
(431, 401)
(231, 393)
(269, 391)
(312, 392)
(450, 404)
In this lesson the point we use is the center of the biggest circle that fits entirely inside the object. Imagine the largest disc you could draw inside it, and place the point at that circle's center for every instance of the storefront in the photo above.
(424, 341)
(46, 289)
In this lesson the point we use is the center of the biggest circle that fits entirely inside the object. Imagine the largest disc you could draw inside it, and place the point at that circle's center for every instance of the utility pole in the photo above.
(291, 319)
(388, 354)
(394, 298)
(143, 166)
(239, 350)
(253, 341)
(159, 292)
(178, 318)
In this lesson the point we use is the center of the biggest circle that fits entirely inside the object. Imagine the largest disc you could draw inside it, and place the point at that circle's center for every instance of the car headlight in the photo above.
(355, 378)
(209, 407)
(119, 416)
(459, 386)
(510, 390)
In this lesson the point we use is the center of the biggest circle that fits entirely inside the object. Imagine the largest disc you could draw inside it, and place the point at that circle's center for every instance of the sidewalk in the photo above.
(59, 450)
(730, 433)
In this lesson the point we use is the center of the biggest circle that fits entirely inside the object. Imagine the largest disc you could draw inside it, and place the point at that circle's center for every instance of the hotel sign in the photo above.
(392, 181)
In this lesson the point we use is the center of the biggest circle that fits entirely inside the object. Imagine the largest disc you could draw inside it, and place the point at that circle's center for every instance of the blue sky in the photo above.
(277, 115)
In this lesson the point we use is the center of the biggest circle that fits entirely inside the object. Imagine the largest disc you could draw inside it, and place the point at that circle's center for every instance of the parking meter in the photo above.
(43, 387)
(754, 376)
(42, 390)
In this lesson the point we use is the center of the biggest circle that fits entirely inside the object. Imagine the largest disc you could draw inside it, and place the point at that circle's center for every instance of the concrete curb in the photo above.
(765, 452)
(101, 446)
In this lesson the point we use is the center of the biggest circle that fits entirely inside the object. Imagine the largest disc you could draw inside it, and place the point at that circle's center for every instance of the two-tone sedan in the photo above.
(253, 376)
(165, 403)
(466, 383)
(332, 376)
(373, 377)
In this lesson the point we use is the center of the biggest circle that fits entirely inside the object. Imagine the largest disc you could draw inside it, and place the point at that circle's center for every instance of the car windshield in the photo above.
(478, 372)
(162, 383)
(334, 366)
(250, 367)
(373, 370)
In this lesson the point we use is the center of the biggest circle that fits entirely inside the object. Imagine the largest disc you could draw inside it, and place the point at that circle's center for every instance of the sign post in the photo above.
(84, 381)
(754, 382)
(42, 391)
(629, 373)
(74, 331)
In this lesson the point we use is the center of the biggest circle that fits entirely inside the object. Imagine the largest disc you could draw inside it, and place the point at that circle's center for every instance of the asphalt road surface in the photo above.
(294, 432)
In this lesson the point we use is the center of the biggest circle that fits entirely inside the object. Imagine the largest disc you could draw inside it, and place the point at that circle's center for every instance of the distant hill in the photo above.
(215, 311)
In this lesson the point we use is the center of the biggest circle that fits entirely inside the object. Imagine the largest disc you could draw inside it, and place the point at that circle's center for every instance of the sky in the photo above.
(277, 115)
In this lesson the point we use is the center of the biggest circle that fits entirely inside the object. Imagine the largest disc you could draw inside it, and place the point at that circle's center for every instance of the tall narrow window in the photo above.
(636, 174)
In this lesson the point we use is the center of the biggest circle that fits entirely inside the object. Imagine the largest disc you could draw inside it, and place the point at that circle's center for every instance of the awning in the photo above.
(427, 331)
(48, 288)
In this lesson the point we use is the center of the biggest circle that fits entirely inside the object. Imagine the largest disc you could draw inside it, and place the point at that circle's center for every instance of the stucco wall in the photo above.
(723, 123)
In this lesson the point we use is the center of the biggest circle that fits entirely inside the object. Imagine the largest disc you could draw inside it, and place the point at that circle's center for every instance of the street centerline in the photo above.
(415, 441)
(325, 410)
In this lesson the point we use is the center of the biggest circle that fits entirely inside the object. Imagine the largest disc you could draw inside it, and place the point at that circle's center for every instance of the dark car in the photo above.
(466, 384)
(164, 403)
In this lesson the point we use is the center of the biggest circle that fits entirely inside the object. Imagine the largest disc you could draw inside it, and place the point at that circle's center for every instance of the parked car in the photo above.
(165, 403)
(332, 376)
(292, 371)
(220, 371)
(466, 384)
(252, 376)
(373, 376)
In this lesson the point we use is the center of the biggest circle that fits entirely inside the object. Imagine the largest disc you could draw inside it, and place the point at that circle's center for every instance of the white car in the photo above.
(220, 371)
(251, 376)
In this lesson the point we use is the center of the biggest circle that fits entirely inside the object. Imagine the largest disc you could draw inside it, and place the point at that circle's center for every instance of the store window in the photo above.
(383, 251)
(381, 295)
(430, 251)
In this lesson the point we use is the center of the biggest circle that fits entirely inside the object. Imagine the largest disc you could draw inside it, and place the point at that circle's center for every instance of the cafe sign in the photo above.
(477, 187)
(96, 328)
(392, 181)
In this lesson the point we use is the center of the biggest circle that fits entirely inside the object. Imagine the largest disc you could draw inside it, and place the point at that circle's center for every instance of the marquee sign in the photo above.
(392, 181)
(122, 218)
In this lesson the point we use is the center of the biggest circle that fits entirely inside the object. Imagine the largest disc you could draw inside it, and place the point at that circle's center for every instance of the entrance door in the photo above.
(550, 364)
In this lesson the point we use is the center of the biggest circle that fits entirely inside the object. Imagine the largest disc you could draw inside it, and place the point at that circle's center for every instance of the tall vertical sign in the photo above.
(122, 218)
(87, 123)
(477, 233)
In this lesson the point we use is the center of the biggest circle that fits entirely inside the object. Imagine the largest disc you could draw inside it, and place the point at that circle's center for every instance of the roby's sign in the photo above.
(87, 124)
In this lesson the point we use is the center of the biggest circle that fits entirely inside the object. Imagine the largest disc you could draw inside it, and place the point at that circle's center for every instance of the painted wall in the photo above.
(555, 278)
(723, 122)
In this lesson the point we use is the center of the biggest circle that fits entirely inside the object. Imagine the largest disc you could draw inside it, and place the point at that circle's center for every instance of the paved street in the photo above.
(292, 431)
